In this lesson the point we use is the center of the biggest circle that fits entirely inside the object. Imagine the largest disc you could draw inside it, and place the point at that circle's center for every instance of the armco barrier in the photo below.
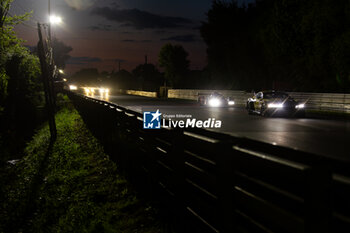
(316, 101)
(141, 93)
(218, 183)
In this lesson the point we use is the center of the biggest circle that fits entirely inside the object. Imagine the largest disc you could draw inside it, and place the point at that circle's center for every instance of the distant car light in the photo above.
(300, 106)
(275, 105)
(231, 102)
(104, 91)
(73, 87)
(214, 102)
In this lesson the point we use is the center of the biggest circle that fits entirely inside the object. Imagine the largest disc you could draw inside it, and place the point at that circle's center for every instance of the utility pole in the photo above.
(47, 65)
(49, 26)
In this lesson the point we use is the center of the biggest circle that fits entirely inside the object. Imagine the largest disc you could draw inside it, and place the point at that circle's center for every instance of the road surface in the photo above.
(330, 138)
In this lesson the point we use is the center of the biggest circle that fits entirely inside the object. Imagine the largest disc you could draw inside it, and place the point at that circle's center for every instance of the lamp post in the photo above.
(53, 19)
(48, 70)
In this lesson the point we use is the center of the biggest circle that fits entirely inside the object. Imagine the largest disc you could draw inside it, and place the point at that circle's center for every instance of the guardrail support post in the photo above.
(178, 161)
(318, 200)
(225, 182)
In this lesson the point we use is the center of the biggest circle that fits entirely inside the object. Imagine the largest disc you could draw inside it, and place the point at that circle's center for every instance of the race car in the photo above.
(215, 99)
(274, 103)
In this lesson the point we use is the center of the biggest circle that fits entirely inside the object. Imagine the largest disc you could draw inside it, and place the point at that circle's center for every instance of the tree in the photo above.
(19, 70)
(86, 77)
(20, 85)
(9, 45)
(173, 58)
(234, 53)
(60, 53)
(123, 79)
(300, 45)
(149, 77)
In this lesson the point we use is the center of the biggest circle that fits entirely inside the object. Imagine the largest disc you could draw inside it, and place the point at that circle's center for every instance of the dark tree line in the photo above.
(173, 58)
(288, 44)
(143, 77)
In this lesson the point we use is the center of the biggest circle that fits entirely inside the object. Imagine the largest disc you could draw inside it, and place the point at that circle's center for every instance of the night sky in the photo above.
(104, 32)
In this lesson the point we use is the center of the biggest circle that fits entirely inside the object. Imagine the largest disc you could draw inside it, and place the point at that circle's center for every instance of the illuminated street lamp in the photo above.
(55, 19)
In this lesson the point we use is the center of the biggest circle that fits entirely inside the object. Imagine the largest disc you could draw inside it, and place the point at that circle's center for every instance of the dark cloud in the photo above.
(181, 38)
(142, 41)
(101, 27)
(140, 19)
(145, 41)
(83, 60)
(160, 31)
(128, 40)
(114, 60)
(80, 4)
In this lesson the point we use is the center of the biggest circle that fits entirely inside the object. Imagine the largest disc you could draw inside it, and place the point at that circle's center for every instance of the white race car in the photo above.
(215, 99)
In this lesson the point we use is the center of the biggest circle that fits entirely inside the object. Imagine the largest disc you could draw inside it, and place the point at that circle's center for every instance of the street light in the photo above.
(54, 19)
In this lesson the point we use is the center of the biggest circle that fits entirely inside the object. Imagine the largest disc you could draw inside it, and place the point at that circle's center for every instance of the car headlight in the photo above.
(214, 102)
(300, 106)
(231, 102)
(275, 105)
(73, 87)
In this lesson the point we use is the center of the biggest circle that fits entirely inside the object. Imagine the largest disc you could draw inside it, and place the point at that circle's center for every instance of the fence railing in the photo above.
(220, 183)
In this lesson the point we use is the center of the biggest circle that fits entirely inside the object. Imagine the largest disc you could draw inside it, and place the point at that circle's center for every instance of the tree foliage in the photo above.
(20, 86)
(148, 76)
(19, 70)
(173, 58)
(60, 53)
(301, 45)
(86, 77)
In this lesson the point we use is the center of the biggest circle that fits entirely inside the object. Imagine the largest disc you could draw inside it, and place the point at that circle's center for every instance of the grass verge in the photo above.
(70, 186)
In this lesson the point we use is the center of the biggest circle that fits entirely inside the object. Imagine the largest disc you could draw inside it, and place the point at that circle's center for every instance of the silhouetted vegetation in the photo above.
(291, 44)
(173, 58)
(148, 77)
(20, 86)
(60, 53)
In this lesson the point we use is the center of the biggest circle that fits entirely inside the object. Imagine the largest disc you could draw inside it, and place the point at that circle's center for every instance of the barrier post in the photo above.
(318, 199)
(225, 184)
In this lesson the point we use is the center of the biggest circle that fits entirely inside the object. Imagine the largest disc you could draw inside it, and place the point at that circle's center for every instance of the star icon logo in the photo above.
(151, 120)
(156, 115)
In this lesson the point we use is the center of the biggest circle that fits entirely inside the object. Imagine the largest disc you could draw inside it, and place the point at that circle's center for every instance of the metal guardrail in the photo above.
(142, 93)
(220, 183)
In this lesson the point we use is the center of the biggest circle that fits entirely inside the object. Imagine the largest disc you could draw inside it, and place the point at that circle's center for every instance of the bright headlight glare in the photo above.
(73, 87)
(214, 102)
(280, 105)
(231, 102)
(300, 106)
